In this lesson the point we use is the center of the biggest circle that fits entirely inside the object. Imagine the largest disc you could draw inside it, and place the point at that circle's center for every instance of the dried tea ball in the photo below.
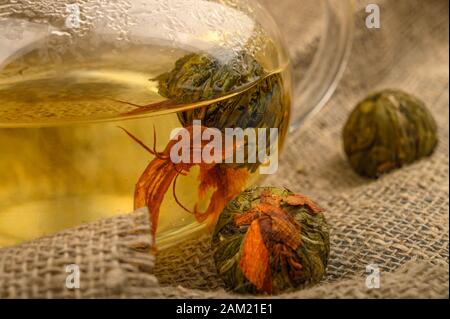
(388, 130)
(270, 240)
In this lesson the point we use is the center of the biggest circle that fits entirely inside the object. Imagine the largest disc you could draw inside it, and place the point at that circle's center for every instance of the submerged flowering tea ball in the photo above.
(270, 240)
(388, 130)
(263, 101)
(200, 76)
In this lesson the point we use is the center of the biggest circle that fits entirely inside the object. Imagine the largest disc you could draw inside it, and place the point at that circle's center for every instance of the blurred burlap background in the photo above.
(399, 222)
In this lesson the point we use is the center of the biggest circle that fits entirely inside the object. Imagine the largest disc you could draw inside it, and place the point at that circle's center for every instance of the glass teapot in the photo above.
(104, 106)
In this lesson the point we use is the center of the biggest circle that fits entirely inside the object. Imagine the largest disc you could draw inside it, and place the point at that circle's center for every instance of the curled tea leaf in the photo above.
(269, 240)
(388, 130)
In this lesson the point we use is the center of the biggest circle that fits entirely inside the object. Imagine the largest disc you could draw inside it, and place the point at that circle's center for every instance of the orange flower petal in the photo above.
(228, 183)
(255, 259)
(298, 200)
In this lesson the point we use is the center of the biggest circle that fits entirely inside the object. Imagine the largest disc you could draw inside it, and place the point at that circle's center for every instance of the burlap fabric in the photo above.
(399, 222)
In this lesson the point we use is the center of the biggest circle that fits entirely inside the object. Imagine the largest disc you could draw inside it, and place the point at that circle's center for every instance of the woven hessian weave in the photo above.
(398, 222)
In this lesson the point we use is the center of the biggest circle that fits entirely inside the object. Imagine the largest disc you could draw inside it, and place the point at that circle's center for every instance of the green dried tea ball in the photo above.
(270, 240)
(388, 130)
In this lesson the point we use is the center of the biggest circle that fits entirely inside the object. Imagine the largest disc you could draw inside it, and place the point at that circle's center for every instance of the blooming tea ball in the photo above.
(270, 240)
(388, 130)
(261, 103)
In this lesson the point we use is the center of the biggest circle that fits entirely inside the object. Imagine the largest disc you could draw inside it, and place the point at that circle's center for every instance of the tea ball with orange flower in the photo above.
(270, 240)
